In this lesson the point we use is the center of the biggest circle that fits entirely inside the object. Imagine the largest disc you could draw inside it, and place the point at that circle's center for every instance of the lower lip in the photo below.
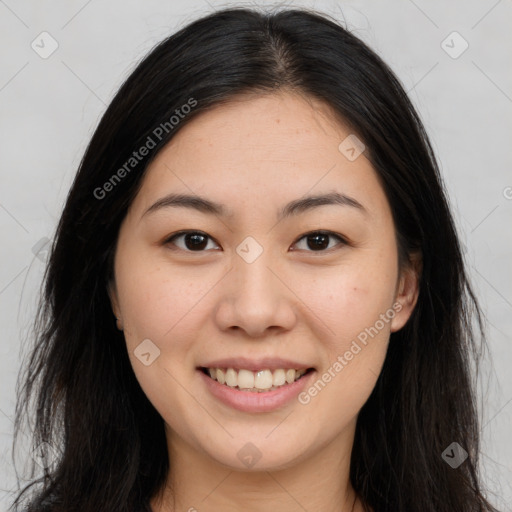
(250, 401)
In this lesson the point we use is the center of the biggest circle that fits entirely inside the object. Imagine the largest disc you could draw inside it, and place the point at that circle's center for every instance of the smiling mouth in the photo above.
(256, 382)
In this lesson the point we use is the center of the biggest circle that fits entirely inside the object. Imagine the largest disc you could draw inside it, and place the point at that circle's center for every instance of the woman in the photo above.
(256, 298)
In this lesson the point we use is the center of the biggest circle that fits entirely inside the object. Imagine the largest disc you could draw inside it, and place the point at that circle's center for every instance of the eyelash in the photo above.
(343, 241)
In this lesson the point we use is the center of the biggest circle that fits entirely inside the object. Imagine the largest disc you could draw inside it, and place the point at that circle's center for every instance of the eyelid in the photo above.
(343, 240)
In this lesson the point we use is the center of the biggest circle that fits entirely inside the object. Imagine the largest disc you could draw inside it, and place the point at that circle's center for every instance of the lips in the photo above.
(256, 400)
(255, 385)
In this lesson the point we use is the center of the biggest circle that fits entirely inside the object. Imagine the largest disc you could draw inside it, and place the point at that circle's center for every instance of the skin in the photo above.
(254, 155)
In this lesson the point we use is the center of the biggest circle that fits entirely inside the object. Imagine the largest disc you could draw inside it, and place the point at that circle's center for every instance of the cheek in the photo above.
(164, 309)
(355, 303)
(350, 299)
(156, 306)
(352, 306)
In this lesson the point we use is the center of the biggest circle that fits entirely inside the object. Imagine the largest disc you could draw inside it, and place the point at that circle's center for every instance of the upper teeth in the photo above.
(263, 379)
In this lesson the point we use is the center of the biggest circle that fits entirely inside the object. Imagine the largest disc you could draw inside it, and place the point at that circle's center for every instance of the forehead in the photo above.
(256, 149)
(264, 126)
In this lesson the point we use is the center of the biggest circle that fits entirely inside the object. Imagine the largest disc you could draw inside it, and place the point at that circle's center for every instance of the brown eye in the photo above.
(319, 241)
(192, 241)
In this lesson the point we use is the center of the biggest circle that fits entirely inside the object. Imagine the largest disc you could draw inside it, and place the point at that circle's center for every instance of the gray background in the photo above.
(50, 107)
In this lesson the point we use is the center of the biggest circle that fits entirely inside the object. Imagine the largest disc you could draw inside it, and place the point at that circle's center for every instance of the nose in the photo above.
(256, 298)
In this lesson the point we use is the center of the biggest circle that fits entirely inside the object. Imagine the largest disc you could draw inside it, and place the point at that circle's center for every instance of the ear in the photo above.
(114, 302)
(407, 292)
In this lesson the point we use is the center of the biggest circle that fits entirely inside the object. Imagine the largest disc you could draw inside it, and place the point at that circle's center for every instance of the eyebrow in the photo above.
(293, 208)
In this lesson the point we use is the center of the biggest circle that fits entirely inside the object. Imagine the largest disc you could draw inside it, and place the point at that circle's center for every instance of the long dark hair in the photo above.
(88, 402)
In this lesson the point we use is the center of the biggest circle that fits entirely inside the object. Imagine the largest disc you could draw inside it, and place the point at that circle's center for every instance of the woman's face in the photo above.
(255, 287)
